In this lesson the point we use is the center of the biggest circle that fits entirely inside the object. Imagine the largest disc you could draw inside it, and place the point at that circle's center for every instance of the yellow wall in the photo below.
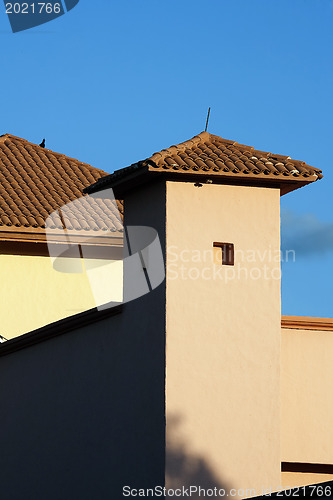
(306, 396)
(33, 294)
(223, 336)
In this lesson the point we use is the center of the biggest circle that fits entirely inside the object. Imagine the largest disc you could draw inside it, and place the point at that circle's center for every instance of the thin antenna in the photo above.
(207, 119)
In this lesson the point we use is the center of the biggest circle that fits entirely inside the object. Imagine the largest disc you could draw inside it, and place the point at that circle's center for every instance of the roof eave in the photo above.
(14, 241)
(140, 177)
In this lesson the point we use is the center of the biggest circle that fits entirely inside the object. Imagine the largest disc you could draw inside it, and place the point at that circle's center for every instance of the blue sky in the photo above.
(112, 82)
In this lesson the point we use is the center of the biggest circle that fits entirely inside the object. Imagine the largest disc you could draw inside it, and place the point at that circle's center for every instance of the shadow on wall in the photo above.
(185, 469)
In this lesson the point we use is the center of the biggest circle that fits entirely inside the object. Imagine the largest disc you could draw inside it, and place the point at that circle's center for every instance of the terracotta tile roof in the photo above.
(35, 181)
(220, 159)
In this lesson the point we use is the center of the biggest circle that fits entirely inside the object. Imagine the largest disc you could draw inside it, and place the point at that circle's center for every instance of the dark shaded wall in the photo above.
(83, 414)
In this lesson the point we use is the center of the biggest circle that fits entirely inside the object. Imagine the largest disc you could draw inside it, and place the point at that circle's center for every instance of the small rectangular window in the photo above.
(228, 253)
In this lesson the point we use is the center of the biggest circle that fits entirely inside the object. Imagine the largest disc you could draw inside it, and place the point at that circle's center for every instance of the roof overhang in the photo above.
(35, 241)
(138, 177)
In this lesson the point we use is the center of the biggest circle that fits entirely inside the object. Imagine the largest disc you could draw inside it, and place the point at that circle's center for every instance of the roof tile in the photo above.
(35, 181)
(206, 153)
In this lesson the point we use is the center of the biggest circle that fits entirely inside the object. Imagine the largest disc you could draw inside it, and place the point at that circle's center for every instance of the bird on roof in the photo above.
(42, 144)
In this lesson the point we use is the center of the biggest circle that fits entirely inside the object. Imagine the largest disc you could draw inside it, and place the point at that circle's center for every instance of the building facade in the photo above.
(188, 384)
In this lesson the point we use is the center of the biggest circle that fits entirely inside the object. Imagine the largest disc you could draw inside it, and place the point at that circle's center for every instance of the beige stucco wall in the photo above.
(306, 396)
(223, 337)
(33, 294)
(294, 479)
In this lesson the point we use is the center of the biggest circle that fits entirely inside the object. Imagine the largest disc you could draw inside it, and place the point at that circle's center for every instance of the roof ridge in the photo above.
(180, 147)
(202, 137)
(3, 138)
(264, 154)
